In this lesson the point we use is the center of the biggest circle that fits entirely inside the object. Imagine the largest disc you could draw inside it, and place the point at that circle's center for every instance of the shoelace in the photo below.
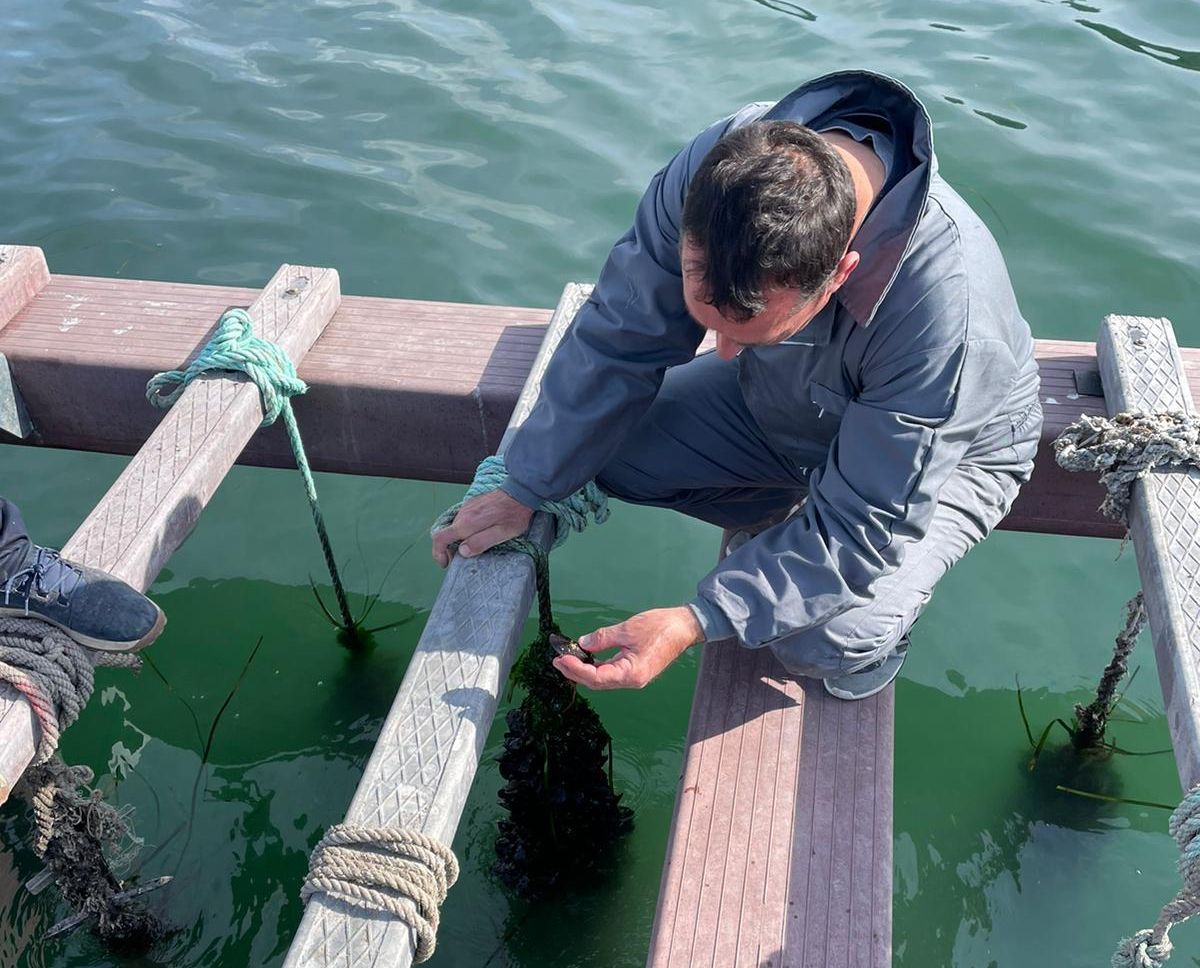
(36, 571)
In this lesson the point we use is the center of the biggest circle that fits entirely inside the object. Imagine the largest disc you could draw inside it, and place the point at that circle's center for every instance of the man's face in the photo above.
(782, 317)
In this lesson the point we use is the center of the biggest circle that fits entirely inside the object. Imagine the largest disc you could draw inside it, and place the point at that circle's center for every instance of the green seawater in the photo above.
(489, 152)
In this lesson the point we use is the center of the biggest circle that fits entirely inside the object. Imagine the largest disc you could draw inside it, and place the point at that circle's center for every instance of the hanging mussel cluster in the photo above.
(564, 817)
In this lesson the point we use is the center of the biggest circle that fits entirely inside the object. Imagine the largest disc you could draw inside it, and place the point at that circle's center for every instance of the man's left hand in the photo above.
(647, 644)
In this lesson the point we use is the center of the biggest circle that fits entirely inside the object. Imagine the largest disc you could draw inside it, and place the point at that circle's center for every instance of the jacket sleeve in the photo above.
(610, 365)
(899, 440)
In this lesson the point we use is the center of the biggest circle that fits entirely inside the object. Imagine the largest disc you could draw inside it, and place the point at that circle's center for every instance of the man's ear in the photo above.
(846, 265)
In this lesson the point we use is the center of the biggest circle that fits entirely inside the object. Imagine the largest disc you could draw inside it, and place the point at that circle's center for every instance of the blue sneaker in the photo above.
(874, 678)
(91, 606)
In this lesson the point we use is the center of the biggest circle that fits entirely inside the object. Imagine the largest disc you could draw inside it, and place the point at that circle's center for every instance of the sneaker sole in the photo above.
(846, 696)
(98, 645)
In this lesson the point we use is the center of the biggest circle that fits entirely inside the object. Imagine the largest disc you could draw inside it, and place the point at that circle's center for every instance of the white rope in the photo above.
(1127, 448)
(1151, 947)
(388, 869)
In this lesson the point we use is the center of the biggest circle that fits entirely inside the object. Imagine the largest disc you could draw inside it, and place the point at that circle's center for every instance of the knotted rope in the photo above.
(1124, 450)
(387, 869)
(53, 672)
(1127, 448)
(235, 347)
(1151, 947)
(570, 514)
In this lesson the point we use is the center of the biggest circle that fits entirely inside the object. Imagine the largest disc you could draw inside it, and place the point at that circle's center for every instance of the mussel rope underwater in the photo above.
(563, 810)
(564, 814)
(1123, 450)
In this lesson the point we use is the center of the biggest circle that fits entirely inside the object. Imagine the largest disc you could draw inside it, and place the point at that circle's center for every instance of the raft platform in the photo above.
(780, 853)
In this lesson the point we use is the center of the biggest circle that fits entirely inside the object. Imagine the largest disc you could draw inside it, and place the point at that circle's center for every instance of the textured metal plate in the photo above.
(426, 756)
(1143, 370)
(153, 505)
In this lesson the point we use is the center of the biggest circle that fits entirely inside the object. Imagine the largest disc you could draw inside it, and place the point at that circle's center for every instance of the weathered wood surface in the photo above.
(399, 388)
(780, 854)
(157, 499)
(425, 759)
(1144, 370)
(23, 274)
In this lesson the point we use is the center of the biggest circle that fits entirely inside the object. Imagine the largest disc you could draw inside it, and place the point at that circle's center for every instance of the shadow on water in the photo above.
(1175, 56)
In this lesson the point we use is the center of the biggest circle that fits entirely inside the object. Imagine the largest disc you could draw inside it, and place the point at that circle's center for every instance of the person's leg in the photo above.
(15, 546)
(970, 505)
(699, 451)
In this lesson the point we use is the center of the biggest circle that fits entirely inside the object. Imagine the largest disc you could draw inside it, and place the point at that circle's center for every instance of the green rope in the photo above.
(570, 514)
(235, 347)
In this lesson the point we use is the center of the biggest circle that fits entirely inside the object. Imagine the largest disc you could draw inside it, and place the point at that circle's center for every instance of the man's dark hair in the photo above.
(772, 204)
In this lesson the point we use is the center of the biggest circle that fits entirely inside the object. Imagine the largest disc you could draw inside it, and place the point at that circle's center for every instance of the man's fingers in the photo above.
(600, 640)
(443, 545)
(477, 544)
(616, 674)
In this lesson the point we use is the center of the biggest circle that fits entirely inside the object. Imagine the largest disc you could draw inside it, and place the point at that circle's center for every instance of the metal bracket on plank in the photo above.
(14, 418)
(1088, 383)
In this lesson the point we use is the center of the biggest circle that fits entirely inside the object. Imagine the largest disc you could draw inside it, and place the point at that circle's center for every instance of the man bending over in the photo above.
(867, 418)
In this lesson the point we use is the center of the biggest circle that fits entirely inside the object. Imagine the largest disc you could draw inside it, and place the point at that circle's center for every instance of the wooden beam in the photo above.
(153, 505)
(23, 274)
(1143, 370)
(399, 388)
(427, 753)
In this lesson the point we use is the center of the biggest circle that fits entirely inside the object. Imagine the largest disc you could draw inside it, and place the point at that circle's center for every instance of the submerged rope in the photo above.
(387, 869)
(235, 347)
(1123, 450)
(570, 514)
(1151, 947)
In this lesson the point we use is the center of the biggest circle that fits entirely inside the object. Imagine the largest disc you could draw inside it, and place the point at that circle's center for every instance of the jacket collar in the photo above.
(884, 238)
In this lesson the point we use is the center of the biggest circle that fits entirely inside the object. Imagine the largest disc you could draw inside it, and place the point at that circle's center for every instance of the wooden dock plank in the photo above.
(156, 500)
(428, 750)
(1143, 370)
(399, 388)
(780, 846)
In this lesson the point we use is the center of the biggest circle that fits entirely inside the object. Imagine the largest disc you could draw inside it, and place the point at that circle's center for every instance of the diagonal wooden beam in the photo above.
(427, 753)
(1142, 369)
(153, 505)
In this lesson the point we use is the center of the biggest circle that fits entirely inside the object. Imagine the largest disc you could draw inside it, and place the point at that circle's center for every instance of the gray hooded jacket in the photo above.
(921, 362)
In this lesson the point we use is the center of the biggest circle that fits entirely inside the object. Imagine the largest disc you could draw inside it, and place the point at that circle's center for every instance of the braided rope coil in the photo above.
(386, 869)
(570, 514)
(53, 672)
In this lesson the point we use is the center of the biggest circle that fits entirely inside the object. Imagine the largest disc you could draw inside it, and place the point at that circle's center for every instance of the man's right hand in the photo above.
(481, 523)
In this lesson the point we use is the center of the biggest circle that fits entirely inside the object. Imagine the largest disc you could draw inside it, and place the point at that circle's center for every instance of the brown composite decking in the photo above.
(780, 853)
(399, 388)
